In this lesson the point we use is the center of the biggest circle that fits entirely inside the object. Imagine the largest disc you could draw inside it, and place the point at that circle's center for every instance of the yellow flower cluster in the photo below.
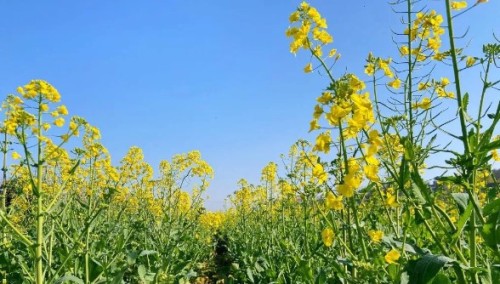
(427, 28)
(375, 236)
(392, 256)
(333, 202)
(269, 173)
(212, 220)
(458, 5)
(352, 180)
(311, 23)
(41, 88)
(327, 236)
(375, 64)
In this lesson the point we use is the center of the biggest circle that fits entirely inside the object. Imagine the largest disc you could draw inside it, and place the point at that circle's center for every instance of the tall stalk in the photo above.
(39, 196)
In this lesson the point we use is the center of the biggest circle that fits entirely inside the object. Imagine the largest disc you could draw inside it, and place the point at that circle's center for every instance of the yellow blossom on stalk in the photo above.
(351, 182)
(308, 68)
(269, 172)
(44, 107)
(375, 235)
(495, 156)
(62, 110)
(318, 111)
(390, 198)
(212, 220)
(313, 125)
(294, 17)
(445, 81)
(434, 43)
(396, 84)
(325, 98)
(323, 142)
(440, 56)
(16, 156)
(59, 122)
(458, 5)
(285, 187)
(332, 52)
(370, 69)
(384, 66)
(422, 86)
(470, 61)
(319, 172)
(404, 50)
(46, 126)
(371, 172)
(327, 237)
(392, 256)
(336, 114)
(425, 104)
(333, 202)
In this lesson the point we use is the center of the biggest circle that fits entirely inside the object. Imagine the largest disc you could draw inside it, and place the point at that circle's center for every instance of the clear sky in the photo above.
(173, 76)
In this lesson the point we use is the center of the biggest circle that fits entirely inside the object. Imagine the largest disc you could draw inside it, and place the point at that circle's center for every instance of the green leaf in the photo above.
(492, 207)
(441, 279)
(141, 271)
(491, 230)
(422, 190)
(147, 252)
(69, 278)
(250, 275)
(413, 249)
(423, 270)
(491, 146)
(461, 199)
(462, 221)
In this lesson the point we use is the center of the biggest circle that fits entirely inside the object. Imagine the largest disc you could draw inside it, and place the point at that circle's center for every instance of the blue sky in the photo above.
(173, 76)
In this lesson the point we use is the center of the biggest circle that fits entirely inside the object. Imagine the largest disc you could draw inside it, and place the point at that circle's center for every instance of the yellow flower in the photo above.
(327, 236)
(404, 50)
(323, 142)
(424, 104)
(326, 97)
(294, 17)
(392, 256)
(396, 84)
(370, 69)
(59, 122)
(318, 111)
(62, 110)
(16, 156)
(371, 172)
(495, 156)
(376, 236)
(445, 81)
(319, 173)
(458, 5)
(46, 126)
(390, 200)
(308, 68)
(470, 61)
(313, 125)
(333, 202)
(332, 52)
(423, 86)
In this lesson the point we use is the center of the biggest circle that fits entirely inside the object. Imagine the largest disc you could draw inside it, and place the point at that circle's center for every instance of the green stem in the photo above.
(461, 110)
(39, 208)
(358, 229)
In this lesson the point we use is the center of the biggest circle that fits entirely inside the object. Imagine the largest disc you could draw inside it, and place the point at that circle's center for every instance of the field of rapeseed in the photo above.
(353, 206)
